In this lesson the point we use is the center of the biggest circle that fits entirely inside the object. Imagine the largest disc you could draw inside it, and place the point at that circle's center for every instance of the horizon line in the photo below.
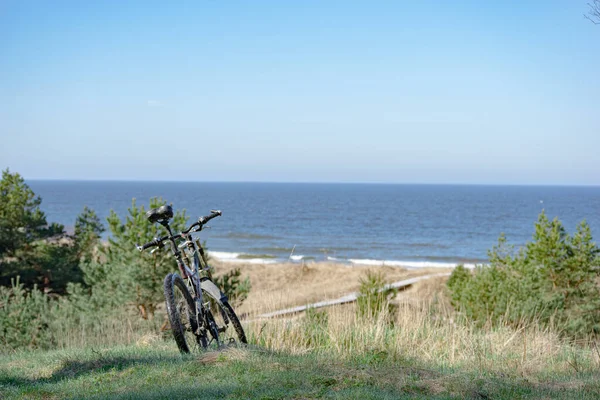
(316, 182)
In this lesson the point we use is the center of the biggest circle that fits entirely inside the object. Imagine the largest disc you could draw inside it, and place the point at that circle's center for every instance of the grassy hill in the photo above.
(417, 348)
(158, 371)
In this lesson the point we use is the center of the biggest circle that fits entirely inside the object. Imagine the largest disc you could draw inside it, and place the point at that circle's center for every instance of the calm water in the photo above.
(411, 225)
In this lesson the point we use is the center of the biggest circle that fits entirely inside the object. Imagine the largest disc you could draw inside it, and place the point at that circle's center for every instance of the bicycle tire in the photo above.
(181, 310)
(235, 322)
(225, 318)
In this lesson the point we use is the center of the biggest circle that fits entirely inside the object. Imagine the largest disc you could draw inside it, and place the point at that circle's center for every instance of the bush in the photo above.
(24, 317)
(237, 290)
(120, 275)
(373, 297)
(88, 230)
(32, 319)
(552, 280)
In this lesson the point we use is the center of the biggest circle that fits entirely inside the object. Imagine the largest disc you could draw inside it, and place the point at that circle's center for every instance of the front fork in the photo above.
(208, 325)
(200, 317)
(195, 286)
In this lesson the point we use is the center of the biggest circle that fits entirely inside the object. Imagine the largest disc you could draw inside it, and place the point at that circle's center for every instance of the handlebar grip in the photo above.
(205, 219)
(147, 245)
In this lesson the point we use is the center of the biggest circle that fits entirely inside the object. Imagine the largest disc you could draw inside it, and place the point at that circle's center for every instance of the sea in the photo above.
(412, 226)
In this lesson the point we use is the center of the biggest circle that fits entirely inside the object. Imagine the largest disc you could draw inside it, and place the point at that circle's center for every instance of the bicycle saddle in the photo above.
(161, 213)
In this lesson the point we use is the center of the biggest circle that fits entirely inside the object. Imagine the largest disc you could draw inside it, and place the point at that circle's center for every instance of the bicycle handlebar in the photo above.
(213, 214)
(147, 245)
(153, 243)
(200, 223)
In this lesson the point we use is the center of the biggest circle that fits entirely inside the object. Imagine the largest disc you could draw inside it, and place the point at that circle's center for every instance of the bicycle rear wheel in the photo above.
(181, 310)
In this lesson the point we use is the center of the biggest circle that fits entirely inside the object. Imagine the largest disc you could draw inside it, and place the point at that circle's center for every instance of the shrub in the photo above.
(24, 318)
(373, 296)
(88, 230)
(120, 274)
(552, 280)
(237, 290)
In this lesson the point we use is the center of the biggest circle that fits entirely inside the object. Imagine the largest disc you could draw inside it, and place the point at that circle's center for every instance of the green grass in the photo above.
(158, 371)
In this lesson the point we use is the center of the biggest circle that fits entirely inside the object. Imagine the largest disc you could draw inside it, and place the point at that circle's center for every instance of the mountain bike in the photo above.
(199, 312)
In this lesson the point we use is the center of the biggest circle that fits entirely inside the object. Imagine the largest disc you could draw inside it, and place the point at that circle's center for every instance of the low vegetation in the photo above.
(552, 281)
(54, 284)
(419, 351)
(373, 299)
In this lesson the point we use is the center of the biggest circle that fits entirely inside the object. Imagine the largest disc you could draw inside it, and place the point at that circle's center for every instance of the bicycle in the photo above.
(196, 307)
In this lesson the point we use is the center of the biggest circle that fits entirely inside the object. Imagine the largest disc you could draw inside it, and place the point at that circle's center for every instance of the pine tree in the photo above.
(553, 279)
(21, 220)
(122, 274)
(24, 232)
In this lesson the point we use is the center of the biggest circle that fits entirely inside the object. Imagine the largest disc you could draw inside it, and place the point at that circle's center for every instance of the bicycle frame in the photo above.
(192, 276)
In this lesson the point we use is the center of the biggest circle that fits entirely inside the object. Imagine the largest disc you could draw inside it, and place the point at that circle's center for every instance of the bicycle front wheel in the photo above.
(229, 326)
(181, 310)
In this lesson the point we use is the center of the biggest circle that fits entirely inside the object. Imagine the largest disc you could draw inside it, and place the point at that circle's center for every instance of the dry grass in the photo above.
(424, 328)
(110, 330)
(277, 286)
(423, 332)
(274, 286)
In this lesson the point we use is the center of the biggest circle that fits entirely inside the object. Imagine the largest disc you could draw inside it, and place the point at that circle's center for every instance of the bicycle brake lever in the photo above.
(154, 250)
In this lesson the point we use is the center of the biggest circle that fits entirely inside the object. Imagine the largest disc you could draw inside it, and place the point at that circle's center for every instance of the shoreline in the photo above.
(266, 259)
(226, 257)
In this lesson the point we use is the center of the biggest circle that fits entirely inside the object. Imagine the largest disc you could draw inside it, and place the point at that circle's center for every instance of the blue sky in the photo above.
(313, 91)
